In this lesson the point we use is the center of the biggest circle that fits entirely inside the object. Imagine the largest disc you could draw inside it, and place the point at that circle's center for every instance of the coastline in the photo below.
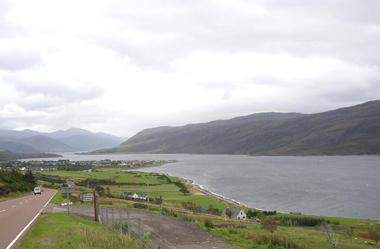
(206, 192)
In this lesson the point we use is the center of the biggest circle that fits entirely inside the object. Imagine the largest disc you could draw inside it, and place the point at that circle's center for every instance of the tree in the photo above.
(184, 191)
(269, 224)
(100, 190)
(29, 178)
(332, 238)
(374, 234)
(350, 232)
(261, 216)
(159, 200)
(228, 213)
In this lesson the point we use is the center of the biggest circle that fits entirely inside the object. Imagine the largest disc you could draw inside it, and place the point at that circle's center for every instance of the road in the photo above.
(16, 214)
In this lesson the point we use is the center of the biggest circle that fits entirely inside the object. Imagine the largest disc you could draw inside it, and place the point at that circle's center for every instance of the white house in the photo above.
(131, 195)
(236, 213)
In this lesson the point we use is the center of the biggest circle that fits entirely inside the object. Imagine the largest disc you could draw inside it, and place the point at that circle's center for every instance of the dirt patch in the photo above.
(47, 241)
(195, 192)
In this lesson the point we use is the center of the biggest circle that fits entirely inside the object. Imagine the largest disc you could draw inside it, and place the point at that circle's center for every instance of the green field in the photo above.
(249, 235)
(61, 230)
(157, 187)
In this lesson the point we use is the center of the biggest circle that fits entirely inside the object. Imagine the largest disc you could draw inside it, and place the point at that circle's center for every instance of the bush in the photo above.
(277, 242)
(140, 206)
(233, 230)
(187, 218)
(209, 223)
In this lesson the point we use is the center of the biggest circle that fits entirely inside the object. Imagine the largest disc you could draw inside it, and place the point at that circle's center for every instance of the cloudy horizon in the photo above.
(123, 66)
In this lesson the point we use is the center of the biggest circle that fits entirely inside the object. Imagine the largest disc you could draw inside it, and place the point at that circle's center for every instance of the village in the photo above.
(65, 164)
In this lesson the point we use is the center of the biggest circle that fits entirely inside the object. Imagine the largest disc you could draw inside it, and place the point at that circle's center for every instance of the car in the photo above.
(37, 190)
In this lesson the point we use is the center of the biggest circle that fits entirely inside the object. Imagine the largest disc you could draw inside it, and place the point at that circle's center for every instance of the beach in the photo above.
(206, 192)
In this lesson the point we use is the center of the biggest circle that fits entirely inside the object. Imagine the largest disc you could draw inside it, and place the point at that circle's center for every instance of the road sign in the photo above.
(66, 190)
(88, 197)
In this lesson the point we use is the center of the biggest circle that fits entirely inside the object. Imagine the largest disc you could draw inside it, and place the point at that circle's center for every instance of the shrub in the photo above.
(209, 223)
(140, 206)
(277, 242)
(233, 230)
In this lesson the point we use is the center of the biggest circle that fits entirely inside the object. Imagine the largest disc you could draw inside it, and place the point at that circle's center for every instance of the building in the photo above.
(236, 213)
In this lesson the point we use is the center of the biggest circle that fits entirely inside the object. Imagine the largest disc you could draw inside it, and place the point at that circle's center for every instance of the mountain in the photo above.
(16, 146)
(346, 131)
(73, 139)
(83, 140)
(37, 143)
(6, 155)
(82, 132)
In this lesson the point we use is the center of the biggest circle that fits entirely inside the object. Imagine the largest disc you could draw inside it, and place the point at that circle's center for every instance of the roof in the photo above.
(235, 212)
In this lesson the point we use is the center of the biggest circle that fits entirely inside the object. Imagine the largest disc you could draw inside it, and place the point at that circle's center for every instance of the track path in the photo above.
(16, 214)
(178, 233)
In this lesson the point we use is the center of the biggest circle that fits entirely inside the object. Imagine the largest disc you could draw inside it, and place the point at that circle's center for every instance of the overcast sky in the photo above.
(124, 66)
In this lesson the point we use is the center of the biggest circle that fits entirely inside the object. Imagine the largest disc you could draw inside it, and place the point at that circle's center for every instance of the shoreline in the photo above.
(206, 192)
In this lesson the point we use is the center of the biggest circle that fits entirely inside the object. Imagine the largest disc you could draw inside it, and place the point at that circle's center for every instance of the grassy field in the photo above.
(61, 230)
(248, 234)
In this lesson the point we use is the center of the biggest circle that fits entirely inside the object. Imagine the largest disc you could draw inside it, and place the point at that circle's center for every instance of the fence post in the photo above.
(107, 216)
(121, 227)
(129, 223)
(113, 220)
(102, 215)
(140, 235)
(97, 208)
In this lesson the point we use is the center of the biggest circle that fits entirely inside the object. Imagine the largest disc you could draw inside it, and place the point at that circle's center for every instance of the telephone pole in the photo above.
(148, 177)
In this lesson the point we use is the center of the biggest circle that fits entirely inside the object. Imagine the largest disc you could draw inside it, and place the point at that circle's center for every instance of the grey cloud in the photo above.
(49, 93)
(305, 29)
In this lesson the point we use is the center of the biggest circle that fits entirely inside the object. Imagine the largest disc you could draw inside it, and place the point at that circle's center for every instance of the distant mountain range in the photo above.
(347, 131)
(73, 139)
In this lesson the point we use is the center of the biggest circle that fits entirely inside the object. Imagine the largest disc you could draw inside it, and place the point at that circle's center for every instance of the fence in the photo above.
(120, 219)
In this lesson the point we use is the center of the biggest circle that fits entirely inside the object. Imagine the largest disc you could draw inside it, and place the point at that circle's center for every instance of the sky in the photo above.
(124, 66)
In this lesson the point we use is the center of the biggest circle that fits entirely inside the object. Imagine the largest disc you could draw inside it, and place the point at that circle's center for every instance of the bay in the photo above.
(336, 186)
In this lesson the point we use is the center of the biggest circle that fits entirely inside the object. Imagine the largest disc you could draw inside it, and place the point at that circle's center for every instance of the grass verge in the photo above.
(61, 230)
(15, 195)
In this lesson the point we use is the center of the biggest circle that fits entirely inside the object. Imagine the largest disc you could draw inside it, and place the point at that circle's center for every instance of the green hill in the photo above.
(13, 181)
(6, 155)
(347, 131)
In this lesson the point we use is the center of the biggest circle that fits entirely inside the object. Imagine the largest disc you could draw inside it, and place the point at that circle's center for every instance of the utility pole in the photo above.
(148, 187)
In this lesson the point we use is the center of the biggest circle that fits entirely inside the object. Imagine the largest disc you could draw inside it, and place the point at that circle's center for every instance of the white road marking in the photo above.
(19, 235)
(2, 211)
(13, 206)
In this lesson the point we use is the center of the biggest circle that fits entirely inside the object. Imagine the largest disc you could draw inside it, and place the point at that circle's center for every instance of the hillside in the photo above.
(85, 142)
(73, 139)
(6, 155)
(37, 143)
(347, 131)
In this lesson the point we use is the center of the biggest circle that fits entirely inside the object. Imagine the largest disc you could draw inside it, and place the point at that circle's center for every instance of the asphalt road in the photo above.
(16, 214)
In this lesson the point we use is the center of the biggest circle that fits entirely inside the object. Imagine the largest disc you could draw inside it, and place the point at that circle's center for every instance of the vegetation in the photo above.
(61, 230)
(15, 181)
(269, 224)
(6, 155)
(347, 131)
(276, 230)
